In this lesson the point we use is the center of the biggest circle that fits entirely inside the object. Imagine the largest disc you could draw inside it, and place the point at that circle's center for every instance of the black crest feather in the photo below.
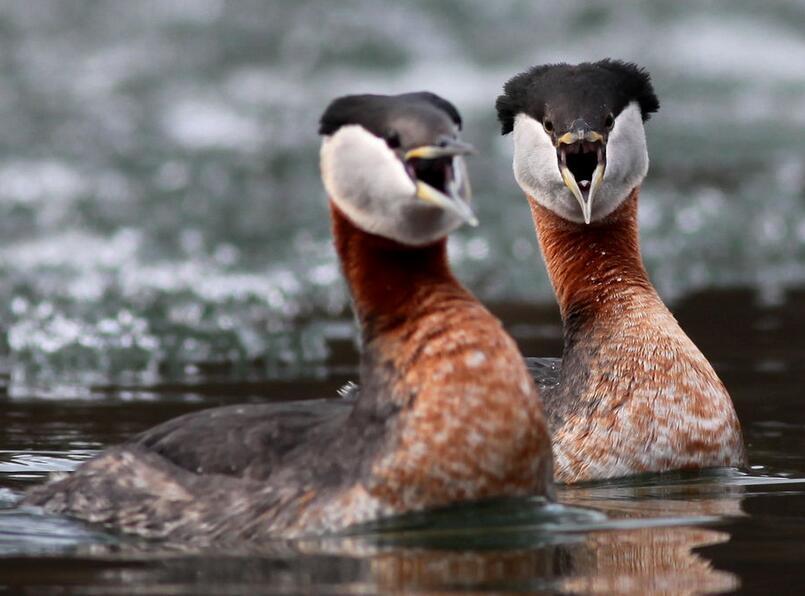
(372, 111)
(611, 82)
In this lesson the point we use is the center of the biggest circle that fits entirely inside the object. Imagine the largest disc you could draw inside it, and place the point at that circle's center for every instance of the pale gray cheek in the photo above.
(421, 224)
(629, 161)
(377, 195)
(537, 173)
(539, 178)
(351, 188)
(360, 169)
(627, 157)
(522, 173)
(623, 178)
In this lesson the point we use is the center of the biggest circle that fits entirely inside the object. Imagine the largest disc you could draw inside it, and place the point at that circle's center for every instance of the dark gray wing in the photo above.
(244, 440)
(133, 489)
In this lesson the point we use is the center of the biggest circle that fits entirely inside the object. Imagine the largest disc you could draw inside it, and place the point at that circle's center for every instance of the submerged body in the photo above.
(634, 393)
(447, 413)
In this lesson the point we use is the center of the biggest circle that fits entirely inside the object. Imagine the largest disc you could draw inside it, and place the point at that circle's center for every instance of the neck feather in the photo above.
(390, 282)
(629, 372)
(441, 377)
(593, 268)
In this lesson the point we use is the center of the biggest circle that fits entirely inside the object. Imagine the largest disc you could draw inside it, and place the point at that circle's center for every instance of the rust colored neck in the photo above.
(390, 282)
(593, 267)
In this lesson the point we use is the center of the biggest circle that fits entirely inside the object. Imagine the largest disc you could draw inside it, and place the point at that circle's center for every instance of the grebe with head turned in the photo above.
(634, 393)
(447, 410)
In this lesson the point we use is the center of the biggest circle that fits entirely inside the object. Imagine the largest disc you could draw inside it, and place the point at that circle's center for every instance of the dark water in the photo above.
(677, 533)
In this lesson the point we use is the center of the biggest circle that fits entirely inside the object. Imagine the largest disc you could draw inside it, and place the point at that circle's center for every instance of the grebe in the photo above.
(634, 393)
(447, 410)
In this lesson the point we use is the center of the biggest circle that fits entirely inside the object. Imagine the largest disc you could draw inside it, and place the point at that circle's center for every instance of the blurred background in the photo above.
(160, 204)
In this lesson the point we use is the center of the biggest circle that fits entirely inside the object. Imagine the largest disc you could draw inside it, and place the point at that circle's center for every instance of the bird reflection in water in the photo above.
(649, 543)
(659, 558)
(605, 539)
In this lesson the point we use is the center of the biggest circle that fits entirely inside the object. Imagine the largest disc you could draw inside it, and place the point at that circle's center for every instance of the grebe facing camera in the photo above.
(634, 394)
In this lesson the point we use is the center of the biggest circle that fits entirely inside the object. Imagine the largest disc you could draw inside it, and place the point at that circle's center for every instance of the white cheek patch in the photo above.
(627, 154)
(535, 166)
(363, 177)
(368, 182)
(627, 161)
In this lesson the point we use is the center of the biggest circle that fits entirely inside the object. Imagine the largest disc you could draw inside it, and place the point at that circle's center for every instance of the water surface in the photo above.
(164, 247)
(711, 531)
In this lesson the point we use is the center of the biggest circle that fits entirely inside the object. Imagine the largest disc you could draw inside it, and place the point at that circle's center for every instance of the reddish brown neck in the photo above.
(390, 282)
(592, 267)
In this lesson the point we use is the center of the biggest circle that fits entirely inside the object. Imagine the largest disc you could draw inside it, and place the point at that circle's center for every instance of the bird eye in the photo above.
(548, 125)
(609, 121)
(392, 139)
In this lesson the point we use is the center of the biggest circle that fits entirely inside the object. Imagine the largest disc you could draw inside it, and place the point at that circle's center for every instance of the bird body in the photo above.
(447, 411)
(634, 393)
(433, 353)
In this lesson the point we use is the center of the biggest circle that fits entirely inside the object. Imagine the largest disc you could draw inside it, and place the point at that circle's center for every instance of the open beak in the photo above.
(581, 154)
(447, 148)
(441, 177)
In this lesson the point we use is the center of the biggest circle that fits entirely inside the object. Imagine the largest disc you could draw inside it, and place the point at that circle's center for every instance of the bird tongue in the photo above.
(584, 183)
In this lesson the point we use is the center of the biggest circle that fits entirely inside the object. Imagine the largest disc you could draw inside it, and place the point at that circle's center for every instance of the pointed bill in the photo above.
(570, 182)
(598, 178)
(449, 149)
(427, 193)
